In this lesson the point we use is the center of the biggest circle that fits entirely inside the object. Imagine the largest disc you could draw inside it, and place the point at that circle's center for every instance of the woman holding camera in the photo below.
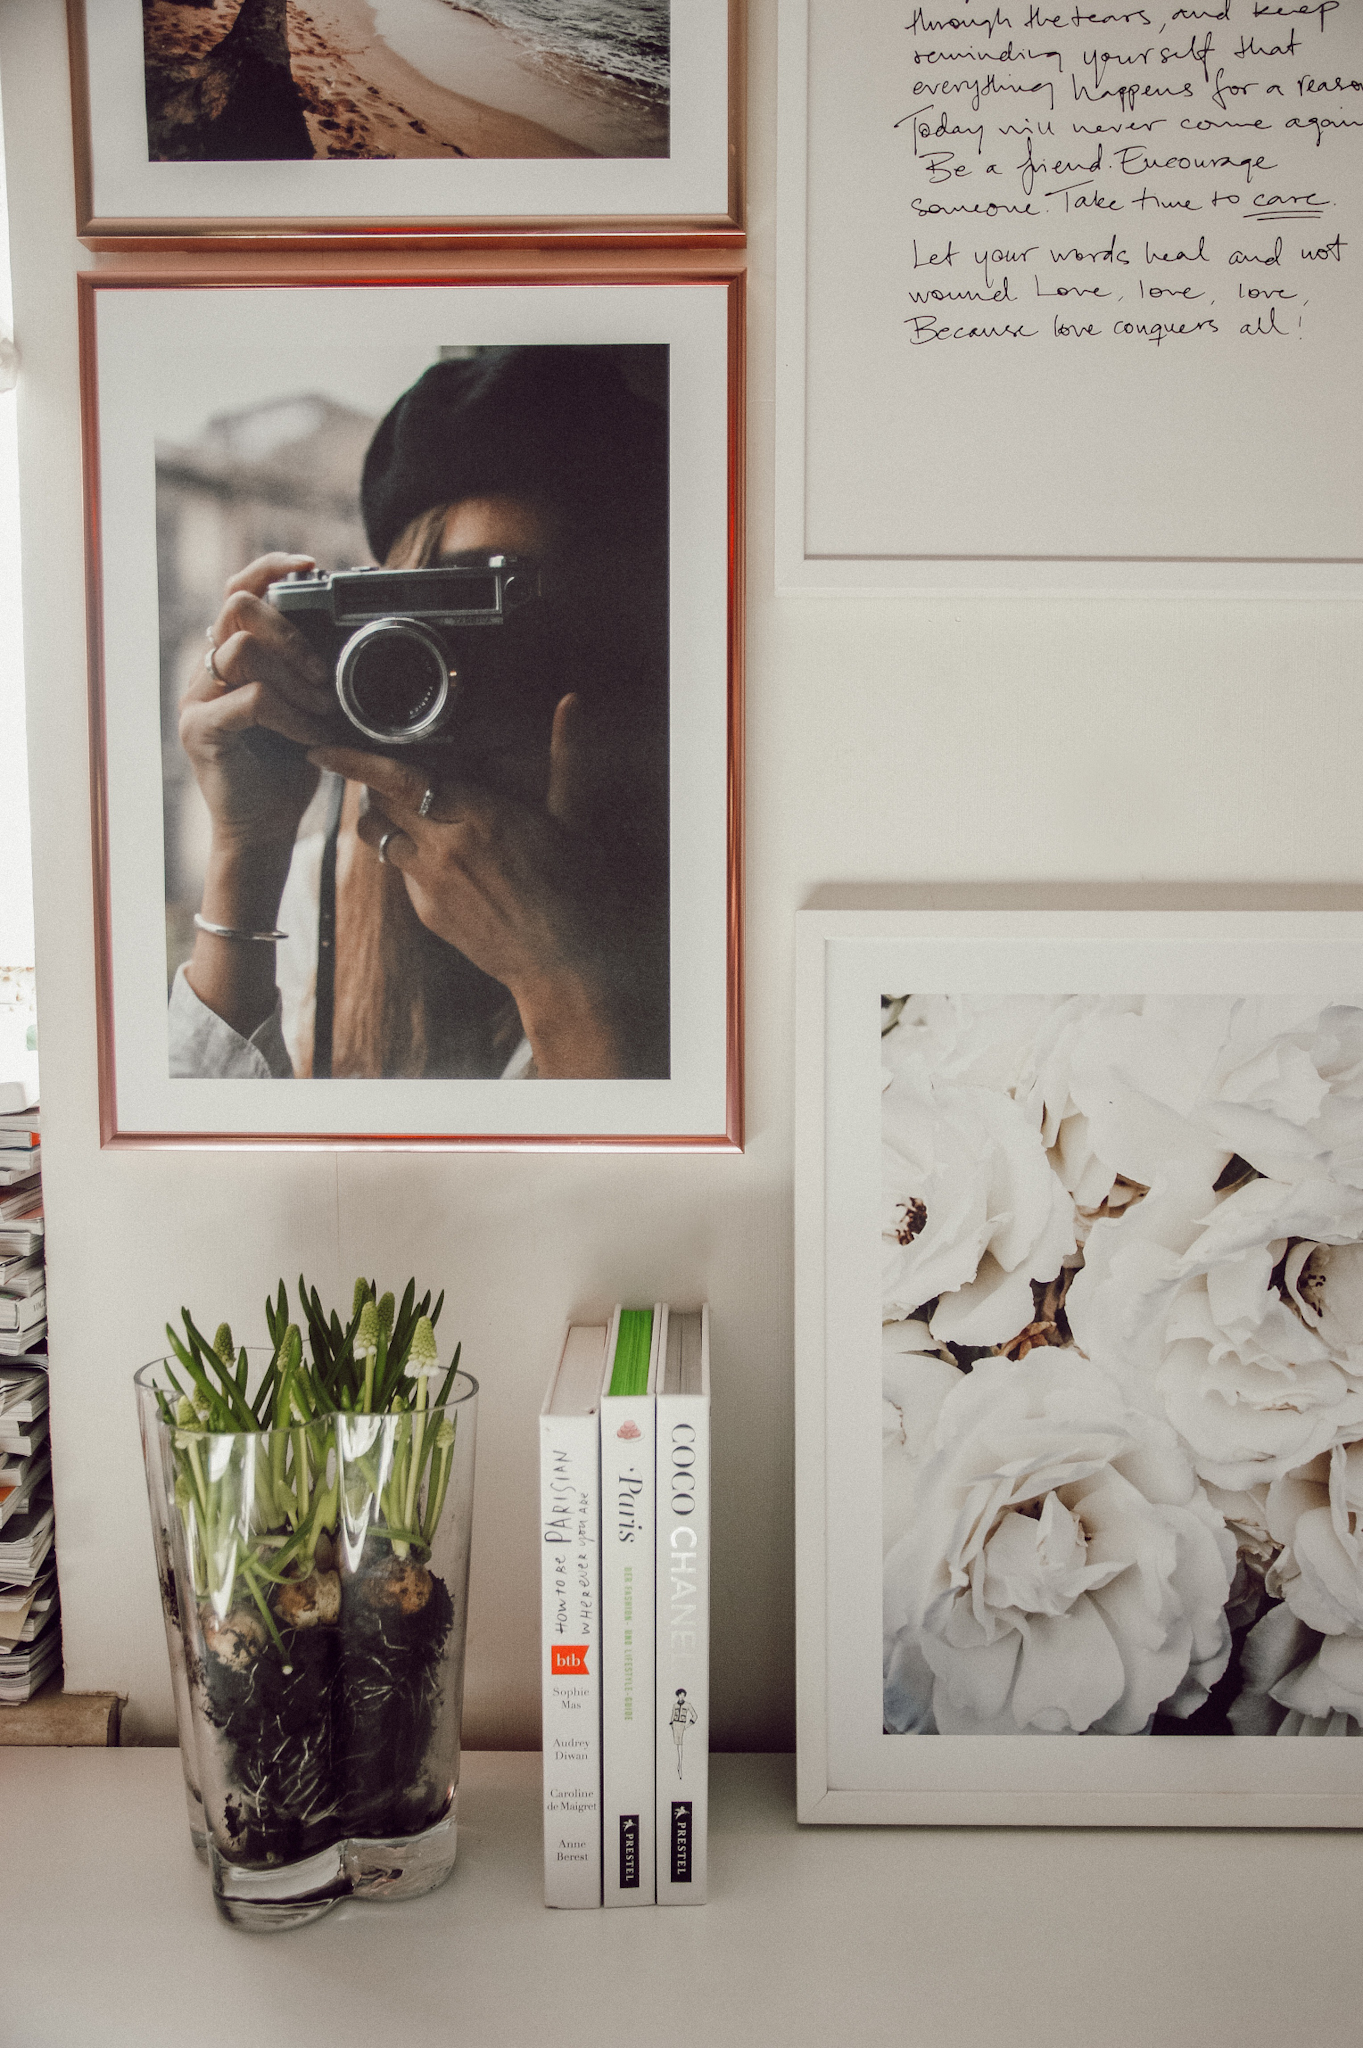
(493, 903)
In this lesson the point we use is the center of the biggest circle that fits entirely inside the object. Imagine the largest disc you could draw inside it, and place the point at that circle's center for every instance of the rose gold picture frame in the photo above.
(525, 207)
(701, 315)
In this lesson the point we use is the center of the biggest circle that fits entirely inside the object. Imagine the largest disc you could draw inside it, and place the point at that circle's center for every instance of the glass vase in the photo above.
(322, 1579)
(160, 1495)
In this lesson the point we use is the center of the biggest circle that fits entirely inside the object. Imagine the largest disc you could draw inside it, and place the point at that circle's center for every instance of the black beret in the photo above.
(557, 424)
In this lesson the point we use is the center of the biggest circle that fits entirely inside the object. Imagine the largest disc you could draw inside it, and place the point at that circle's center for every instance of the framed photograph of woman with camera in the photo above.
(414, 618)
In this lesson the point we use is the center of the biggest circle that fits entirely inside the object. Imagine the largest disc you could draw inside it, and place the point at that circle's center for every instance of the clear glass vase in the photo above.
(160, 1496)
(321, 1575)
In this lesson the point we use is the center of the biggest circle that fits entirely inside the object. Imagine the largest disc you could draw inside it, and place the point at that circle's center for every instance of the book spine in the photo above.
(570, 1511)
(627, 1554)
(683, 1637)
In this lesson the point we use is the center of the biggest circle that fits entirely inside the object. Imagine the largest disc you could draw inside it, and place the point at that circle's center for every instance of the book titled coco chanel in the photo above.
(570, 1585)
(682, 1720)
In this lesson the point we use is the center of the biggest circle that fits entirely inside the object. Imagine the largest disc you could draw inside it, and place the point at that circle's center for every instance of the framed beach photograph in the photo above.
(1079, 1238)
(586, 120)
(416, 707)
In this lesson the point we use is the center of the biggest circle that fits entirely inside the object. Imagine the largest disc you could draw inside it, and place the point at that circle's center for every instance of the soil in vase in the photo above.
(333, 1737)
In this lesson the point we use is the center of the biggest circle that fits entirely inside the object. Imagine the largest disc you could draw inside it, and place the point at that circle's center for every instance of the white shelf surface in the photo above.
(814, 1937)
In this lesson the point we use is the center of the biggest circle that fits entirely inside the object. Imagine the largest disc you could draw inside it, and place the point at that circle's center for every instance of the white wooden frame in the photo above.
(844, 961)
(797, 567)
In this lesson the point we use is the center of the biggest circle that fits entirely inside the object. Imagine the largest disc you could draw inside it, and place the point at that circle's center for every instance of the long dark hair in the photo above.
(408, 1005)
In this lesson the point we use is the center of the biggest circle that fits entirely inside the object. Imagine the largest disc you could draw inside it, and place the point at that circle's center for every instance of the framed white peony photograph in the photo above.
(1080, 1368)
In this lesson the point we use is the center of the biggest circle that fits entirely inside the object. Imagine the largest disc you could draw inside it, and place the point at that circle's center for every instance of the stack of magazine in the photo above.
(30, 1629)
(23, 1288)
(625, 1557)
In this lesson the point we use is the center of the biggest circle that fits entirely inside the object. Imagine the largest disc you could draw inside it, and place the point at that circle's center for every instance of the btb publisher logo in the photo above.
(567, 1657)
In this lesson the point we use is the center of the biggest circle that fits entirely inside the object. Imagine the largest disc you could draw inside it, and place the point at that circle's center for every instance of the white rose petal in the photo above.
(1061, 1570)
(914, 1386)
(986, 1041)
(1185, 1082)
(1332, 1683)
(1316, 1514)
(972, 1211)
(1298, 1682)
(1179, 1299)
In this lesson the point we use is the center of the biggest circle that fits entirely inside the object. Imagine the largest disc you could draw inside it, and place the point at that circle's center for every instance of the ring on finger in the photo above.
(211, 664)
(383, 844)
(423, 809)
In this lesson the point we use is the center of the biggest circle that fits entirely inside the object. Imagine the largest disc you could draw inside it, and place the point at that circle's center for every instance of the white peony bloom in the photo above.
(984, 1041)
(915, 1382)
(1297, 1681)
(1317, 1516)
(972, 1212)
(1240, 1318)
(1141, 1085)
(1246, 1518)
(1062, 1570)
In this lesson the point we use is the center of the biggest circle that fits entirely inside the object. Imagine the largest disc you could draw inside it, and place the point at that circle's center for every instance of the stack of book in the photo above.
(30, 1629)
(30, 1632)
(625, 1552)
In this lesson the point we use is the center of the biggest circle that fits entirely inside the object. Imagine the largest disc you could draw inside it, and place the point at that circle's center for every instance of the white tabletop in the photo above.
(814, 1937)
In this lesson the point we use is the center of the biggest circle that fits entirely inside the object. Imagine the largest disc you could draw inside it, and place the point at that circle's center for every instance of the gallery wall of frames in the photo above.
(513, 516)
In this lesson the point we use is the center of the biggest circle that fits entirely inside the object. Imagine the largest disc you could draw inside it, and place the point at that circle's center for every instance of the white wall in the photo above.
(891, 740)
(16, 878)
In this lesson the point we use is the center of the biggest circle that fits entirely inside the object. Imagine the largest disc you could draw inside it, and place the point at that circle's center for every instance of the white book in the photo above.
(627, 1541)
(23, 1312)
(18, 1629)
(14, 1343)
(683, 1590)
(17, 1484)
(23, 1393)
(570, 1620)
(21, 1280)
(27, 1541)
(21, 1235)
(21, 1439)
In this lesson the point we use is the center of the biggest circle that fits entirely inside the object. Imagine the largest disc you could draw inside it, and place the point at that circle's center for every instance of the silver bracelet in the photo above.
(227, 931)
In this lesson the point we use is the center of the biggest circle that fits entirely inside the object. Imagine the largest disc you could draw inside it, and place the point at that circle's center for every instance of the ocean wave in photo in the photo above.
(625, 41)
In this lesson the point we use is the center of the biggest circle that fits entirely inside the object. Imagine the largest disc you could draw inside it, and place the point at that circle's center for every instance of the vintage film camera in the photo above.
(428, 655)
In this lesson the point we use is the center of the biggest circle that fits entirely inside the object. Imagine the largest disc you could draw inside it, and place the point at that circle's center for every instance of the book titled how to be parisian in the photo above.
(625, 1581)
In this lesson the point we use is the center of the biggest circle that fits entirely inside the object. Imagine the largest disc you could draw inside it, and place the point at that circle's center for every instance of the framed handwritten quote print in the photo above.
(1079, 1365)
(1071, 298)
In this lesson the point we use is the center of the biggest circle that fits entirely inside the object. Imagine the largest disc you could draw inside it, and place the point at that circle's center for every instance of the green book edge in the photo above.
(629, 1371)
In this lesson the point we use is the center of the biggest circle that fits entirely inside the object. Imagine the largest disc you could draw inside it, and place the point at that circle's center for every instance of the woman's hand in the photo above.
(265, 685)
(245, 725)
(522, 891)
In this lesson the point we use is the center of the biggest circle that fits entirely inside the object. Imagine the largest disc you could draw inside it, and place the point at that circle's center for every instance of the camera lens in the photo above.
(393, 680)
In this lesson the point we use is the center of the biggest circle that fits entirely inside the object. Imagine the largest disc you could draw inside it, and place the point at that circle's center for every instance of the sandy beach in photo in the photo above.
(362, 97)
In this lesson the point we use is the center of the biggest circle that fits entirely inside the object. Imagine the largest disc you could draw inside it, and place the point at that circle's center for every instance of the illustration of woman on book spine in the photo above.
(683, 1716)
